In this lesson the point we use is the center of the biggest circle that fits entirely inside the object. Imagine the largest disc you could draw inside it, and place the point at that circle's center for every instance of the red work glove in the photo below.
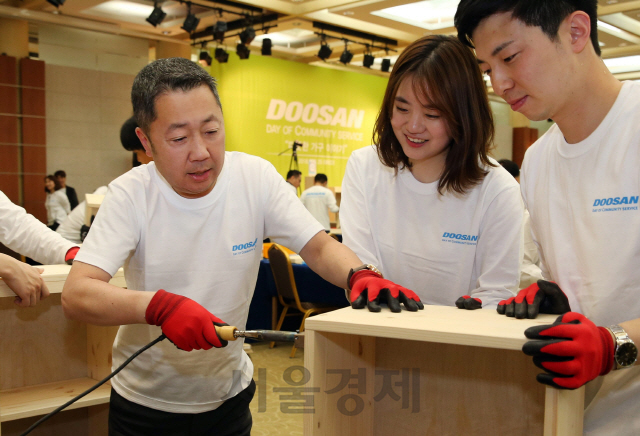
(186, 323)
(540, 297)
(71, 254)
(466, 302)
(368, 287)
(573, 351)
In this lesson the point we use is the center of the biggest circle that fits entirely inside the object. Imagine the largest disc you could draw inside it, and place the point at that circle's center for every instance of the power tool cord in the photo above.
(96, 386)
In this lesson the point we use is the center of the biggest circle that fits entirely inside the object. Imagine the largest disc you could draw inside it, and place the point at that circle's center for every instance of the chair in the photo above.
(288, 292)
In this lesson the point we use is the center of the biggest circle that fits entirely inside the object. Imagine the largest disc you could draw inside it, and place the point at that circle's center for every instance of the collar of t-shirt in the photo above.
(406, 177)
(191, 203)
(596, 138)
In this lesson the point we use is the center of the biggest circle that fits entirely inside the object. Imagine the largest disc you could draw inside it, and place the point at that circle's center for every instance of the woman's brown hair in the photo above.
(446, 74)
(56, 184)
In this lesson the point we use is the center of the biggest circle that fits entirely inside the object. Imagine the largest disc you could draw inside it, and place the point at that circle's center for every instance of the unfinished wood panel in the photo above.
(326, 356)
(37, 334)
(564, 411)
(99, 350)
(472, 386)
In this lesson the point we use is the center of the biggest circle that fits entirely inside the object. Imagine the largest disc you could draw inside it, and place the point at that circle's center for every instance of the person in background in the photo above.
(319, 200)
(56, 203)
(73, 227)
(26, 235)
(130, 142)
(530, 271)
(294, 178)
(186, 226)
(426, 203)
(581, 185)
(61, 177)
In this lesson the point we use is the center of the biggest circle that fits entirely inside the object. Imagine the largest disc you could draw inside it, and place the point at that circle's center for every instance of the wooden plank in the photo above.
(564, 412)
(480, 328)
(55, 276)
(326, 356)
(93, 202)
(42, 399)
(99, 350)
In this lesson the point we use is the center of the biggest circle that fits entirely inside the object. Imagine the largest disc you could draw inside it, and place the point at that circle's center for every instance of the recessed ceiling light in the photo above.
(610, 2)
(166, 32)
(430, 15)
(347, 13)
(622, 44)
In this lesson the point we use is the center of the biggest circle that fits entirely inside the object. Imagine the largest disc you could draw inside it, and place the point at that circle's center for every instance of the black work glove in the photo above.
(540, 297)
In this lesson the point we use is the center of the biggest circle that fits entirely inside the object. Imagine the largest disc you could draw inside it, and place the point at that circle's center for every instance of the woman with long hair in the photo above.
(426, 203)
(57, 203)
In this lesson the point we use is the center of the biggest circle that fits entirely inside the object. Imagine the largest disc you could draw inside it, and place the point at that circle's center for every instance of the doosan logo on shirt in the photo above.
(244, 248)
(460, 238)
(620, 203)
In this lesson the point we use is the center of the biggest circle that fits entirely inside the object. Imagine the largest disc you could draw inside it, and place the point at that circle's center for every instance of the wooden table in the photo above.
(440, 371)
(46, 359)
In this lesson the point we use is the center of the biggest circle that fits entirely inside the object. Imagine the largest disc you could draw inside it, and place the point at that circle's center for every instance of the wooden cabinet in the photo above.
(46, 359)
(439, 371)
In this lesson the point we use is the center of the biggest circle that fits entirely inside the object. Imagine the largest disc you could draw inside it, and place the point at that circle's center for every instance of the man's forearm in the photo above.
(330, 259)
(88, 297)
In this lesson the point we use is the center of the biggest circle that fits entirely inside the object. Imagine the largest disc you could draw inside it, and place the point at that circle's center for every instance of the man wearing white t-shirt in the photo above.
(294, 177)
(187, 228)
(581, 185)
(319, 200)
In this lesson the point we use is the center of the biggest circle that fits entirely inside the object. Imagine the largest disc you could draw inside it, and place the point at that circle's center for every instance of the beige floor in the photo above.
(267, 406)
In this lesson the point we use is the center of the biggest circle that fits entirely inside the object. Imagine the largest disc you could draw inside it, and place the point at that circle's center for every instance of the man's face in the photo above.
(186, 140)
(62, 181)
(528, 70)
(295, 180)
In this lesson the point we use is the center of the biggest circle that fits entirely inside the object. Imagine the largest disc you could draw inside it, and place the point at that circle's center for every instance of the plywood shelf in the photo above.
(55, 275)
(41, 399)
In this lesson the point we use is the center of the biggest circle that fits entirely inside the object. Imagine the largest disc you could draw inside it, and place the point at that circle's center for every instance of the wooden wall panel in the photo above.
(8, 70)
(8, 159)
(34, 159)
(8, 99)
(8, 129)
(10, 186)
(32, 73)
(523, 137)
(33, 102)
(34, 131)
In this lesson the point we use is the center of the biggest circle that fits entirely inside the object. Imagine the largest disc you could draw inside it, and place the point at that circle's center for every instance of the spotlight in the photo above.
(325, 51)
(242, 51)
(56, 3)
(386, 65)
(219, 29)
(221, 56)
(190, 23)
(266, 47)
(157, 15)
(247, 35)
(205, 58)
(346, 56)
(368, 60)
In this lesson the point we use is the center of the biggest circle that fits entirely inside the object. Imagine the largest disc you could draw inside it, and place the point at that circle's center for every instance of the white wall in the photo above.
(88, 84)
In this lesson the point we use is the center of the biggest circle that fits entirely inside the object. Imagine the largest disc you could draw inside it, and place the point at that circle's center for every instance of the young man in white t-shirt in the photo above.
(319, 200)
(294, 177)
(581, 184)
(187, 228)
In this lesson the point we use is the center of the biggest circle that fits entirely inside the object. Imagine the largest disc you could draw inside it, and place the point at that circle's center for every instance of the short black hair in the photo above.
(293, 173)
(546, 14)
(510, 166)
(163, 76)
(128, 137)
(60, 173)
(320, 178)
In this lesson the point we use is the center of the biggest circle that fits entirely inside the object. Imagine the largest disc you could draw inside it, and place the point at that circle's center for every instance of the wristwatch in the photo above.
(626, 352)
(367, 266)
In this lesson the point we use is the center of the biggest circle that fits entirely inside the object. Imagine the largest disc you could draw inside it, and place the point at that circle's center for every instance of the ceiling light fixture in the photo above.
(157, 15)
(242, 51)
(368, 58)
(266, 47)
(191, 22)
(346, 55)
(56, 3)
(205, 58)
(218, 30)
(247, 35)
(325, 51)
(221, 56)
(386, 65)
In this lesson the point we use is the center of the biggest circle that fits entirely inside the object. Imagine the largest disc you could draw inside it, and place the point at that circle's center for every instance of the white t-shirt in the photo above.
(58, 206)
(319, 200)
(439, 246)
(583, 200)
(530, 271)
(25, 234)
(293, 188)
(208, 249)
(70, 227)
